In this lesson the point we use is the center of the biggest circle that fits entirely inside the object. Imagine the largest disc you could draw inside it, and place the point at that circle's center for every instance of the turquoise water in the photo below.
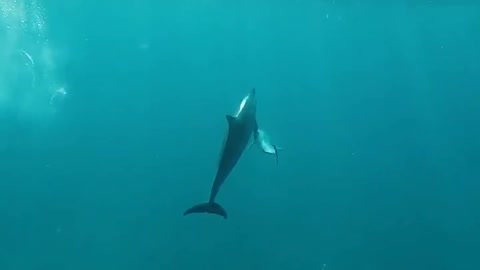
(113, 114)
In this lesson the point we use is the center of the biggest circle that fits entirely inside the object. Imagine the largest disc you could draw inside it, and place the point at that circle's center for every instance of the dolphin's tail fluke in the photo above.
(210, 207)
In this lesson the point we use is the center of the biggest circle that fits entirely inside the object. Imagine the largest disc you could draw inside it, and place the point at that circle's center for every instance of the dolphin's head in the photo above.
(248, 106)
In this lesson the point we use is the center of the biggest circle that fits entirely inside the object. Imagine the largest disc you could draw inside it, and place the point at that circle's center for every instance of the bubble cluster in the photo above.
(29, 75)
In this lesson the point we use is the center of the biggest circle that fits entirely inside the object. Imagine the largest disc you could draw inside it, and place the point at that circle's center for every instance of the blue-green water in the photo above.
(376, 106)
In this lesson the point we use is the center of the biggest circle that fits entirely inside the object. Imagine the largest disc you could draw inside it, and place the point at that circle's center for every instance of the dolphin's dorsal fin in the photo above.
(230, 119)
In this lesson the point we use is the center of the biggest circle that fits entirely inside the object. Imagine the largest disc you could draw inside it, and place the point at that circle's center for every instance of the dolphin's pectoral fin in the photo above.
(265, 144)
(276, 153)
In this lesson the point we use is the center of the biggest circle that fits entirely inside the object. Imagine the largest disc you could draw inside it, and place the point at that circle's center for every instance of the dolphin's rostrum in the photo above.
(241, 128)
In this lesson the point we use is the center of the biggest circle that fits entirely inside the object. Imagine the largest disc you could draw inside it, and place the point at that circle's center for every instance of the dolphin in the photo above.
(241, 129)
(263, 140)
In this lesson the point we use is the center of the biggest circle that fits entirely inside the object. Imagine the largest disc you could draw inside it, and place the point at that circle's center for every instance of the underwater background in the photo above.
(112, 115)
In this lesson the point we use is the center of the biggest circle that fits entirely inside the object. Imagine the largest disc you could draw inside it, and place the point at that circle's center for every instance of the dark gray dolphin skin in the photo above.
(241, 128)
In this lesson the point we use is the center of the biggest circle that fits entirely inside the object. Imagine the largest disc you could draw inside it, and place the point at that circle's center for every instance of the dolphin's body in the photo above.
(241, 129)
